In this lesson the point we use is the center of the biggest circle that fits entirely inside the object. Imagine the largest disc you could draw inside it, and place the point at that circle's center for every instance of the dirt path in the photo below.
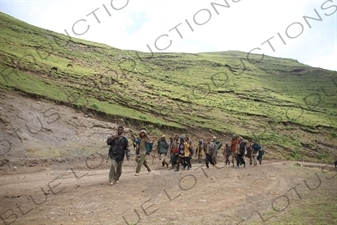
(197, 196)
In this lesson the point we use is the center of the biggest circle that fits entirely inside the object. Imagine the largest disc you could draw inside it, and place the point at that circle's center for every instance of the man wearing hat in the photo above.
(144, 146)
(118, 149)
(162, 149)
(218, 146)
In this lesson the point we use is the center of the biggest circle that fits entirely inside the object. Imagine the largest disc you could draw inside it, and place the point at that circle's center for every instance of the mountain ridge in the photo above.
(221, 92)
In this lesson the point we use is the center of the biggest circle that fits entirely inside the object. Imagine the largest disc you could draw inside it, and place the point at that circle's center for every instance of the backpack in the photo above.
(218, 145)
(148, 146)
(256, 148)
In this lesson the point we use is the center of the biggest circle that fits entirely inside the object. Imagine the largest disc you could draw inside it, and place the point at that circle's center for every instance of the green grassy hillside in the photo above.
(288, 106)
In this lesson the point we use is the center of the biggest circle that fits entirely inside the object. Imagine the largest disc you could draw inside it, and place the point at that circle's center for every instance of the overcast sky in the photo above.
(204, 27)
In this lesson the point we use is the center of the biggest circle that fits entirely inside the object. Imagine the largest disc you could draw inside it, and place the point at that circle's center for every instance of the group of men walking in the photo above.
(178, 151)
(240, 148)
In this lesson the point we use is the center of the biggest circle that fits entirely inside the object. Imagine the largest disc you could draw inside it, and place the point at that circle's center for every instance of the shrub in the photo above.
(142, 117)
(79, 107)
(295, 155)
(94, 106)
(323, 156)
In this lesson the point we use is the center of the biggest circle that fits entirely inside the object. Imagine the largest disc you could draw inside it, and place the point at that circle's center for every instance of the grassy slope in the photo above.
(261, 100)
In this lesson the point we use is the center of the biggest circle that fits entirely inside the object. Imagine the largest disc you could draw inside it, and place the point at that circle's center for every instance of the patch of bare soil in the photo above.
(41, 133)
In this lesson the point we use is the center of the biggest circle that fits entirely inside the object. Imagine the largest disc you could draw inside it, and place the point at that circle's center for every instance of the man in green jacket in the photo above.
(162, 149)
(217, 148)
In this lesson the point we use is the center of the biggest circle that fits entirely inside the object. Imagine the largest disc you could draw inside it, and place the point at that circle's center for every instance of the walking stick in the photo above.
(154, 156)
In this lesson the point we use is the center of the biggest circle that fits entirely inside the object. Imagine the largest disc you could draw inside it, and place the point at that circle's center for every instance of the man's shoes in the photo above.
(136, 174)
(111, 183)
(116, 182)
(149, 172)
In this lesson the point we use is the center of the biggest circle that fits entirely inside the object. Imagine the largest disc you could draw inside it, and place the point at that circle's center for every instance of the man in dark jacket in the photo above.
(240, 157)
(256, 150)
(118, 149)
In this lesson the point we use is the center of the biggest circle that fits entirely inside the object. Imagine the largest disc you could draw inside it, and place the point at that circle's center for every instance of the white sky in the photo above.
(245, 25)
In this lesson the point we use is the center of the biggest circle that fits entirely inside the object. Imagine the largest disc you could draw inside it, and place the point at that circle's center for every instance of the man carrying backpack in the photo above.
(162, 149)
(256, 150)
(144, 147)
(118, 149)
(259, 157)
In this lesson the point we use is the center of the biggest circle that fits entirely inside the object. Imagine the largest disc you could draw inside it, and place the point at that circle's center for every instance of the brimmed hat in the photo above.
(214, 137)
(143, 131)
(163, 136)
